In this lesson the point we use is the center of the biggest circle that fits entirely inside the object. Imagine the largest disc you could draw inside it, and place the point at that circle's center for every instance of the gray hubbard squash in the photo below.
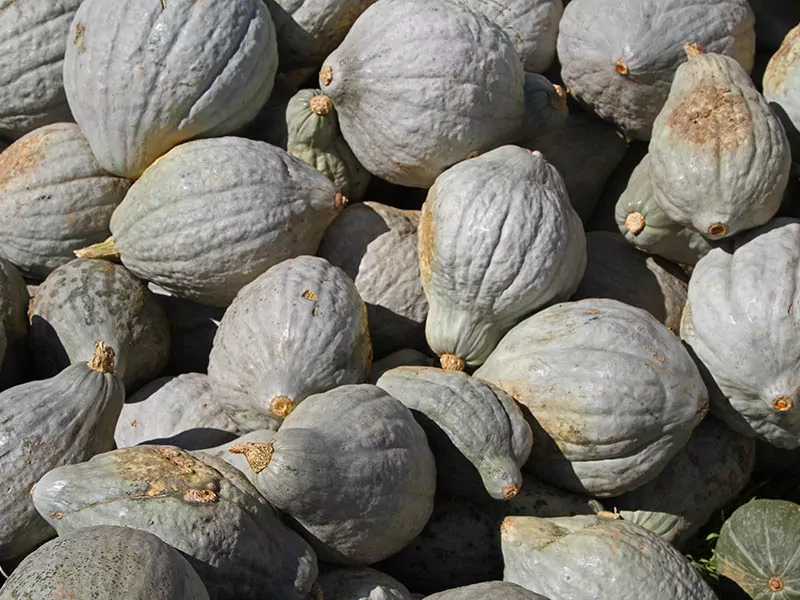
(782, 87)
(610, 393)
(211, 215)
(353, 470)
(585, 151)
(488, 590)
(54, 197)
(719, 157)
(313, 136)
(580, 557)
(498, 240)
(298, 329)
(741, 321)
(376, 245)
(33, 35)
(757, 548)
(531, 24)
(477, 433)
(645, 224)
(14, 300)
(359, 584)
(617, 270)
(545, 106)
(142, 77)
(408, 357)
(619, 57)
(85, 300)
(200, 505)
(708, 473)
(419, 86)
(106, 561)
(309, 30)
(47, 423)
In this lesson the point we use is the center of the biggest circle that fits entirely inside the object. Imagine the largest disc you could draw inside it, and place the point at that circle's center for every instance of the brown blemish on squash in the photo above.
(621, 67)
(23, 155)
(102, 360)
(713, 117)
(717, 230)
(559, 99)
(341, 201)
(693, 50)
(776, 583)
(451, 362)
(57, 515)
(281, 406)
(309, 295)
(320, 105)
(782, 404)
(80, 30)
(635, 223)
(507, 525)
(194, 496)
(258, 455)
(782, 62)
(607, 514)
(511, 490)
(326, 75)
(425, 237)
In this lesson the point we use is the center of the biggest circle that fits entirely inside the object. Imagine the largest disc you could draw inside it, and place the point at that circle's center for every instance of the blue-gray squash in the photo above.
(109, 562)
(145, 76)
(498, 239)
(47, 423)
(408, 114)
(610, 393)
(488, 590)
(782, 87)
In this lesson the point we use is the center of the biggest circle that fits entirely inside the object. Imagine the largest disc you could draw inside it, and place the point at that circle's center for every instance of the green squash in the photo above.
(782, 87)
(489, 590)
(14, 300)
(200, 505)
(141, 78)
(757, 548)
(47, 423)
(109, 562)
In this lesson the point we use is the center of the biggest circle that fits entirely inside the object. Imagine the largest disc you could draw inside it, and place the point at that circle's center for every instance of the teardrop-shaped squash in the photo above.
(782, 87)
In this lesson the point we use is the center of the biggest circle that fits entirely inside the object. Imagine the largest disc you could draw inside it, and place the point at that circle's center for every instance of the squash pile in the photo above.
(356, 299)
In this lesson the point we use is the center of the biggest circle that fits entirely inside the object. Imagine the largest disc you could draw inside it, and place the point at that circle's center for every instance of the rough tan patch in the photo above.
(635, 223)
(309, 295)
(80, 30)
(783, 61)
(258, 455)
(425, 237)
(281, 406)
(326, 75)
(320, 105)
(712, 117)
(22, 156)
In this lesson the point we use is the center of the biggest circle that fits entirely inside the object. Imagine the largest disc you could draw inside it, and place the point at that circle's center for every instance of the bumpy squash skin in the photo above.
(235, 459)
(376, 245)
(298, 329)
(757, 548)
(353, 468)
(573, 558)
(466, 420)
(489, 590)
(531, 24)
(619, 57)
(719, 157)
(498, 239)
(741, 322)
(782, 87)
(86, 300)
(612, 393)
(200, 505)
(361, 584)
(703, 477)
(645, 224)
(44, 424)
(14, 300)
(418, 87)
(177, 70)
(54, 198)
(617, 270)
(204, 240)
(110, 562)
(33, 35)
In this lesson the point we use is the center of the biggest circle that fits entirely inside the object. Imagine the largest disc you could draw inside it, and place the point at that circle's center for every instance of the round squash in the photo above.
(360, 584)
(298, 329)
(610, 393)
(719, 157)
(619, 56)
(14, 300)
(757, 548)
(109, 562)
(143, 77)
(488, 590)
(418, 87)
(353, 469)
(47, 423)
(782, 87)
(85, 300)
(34, 35)
(54, 198)
(741, 321)
(198, 504)
(498, 239)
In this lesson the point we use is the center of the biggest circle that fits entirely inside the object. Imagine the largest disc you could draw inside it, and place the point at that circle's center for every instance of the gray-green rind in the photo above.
(489, 590)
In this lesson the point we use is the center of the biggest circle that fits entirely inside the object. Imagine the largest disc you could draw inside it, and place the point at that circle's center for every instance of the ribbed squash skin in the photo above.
(420, 86)
(741, 321)
(45, 424)
(782, 87)
(178, 70)
(212, 215)
(14, 300)
(574, 558)
(498, 239)
(612, 393)
(114, 563)
(619, 57)
(54, 198)
(33, 35)
(719, 157)
(198, 504)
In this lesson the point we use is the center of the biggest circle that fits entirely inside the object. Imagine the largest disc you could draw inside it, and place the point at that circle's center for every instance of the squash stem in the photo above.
(107, 249)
